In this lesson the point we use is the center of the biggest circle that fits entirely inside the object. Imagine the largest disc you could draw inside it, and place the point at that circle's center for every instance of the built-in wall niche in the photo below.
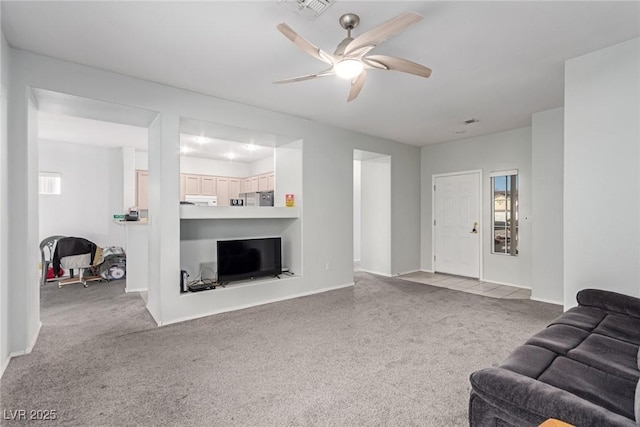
(199, 237)
(219, 163)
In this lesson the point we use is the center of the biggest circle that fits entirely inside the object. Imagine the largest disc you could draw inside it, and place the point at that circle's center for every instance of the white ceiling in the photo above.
(498, 62)
(69, 118)
(79, 130)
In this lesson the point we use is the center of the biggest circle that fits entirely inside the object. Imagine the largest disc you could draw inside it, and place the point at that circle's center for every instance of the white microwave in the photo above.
(202, 200)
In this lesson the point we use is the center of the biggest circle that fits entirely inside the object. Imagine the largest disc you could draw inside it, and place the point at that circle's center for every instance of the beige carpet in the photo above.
(384, 352)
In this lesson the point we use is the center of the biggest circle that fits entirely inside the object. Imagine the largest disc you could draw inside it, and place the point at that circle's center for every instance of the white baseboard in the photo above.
(377, 273)
(505, 284)
(427, 271)
(126, 290)
(548, 301)
(27, 350)
(243, 306)
(4, 365)
(406, 272)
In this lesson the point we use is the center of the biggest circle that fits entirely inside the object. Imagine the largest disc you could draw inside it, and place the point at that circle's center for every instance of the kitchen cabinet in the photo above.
(142, 189)
(263, 182)
(192, 184)
(222, 191)
(234, 188)
(272, 182)
(253, 184)
(208, 185)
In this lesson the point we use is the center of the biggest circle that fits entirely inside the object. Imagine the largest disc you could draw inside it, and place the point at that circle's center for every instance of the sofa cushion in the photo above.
(558, 338)
(529, 360)
(610, 301)
(609, 355)
(621, 327)
(517, 400)
(609, 391)
(586, 318)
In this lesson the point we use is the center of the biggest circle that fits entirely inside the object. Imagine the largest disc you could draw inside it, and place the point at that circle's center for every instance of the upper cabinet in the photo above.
(271, 181)
(142, 189)
(192, 184)
(225, 188)
(208, 185)
(263, 182)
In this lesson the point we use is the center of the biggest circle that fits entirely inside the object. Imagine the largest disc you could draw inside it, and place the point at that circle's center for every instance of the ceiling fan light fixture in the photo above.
(349, 68)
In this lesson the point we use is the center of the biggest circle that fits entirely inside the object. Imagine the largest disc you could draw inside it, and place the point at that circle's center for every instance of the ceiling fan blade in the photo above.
(304, 44)
(385, 62)
(328, 72)
(382, 32)
(342, 46)
(356, 86)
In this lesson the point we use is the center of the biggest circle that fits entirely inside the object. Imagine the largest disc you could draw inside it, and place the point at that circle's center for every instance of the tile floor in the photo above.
(466, 284)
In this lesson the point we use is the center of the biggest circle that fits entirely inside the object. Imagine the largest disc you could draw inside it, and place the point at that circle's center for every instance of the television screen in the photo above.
(249, 258)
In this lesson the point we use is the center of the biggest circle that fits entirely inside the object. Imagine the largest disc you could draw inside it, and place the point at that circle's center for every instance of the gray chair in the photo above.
(47, 246)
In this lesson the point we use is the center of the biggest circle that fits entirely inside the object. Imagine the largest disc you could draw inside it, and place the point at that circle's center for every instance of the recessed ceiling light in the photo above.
(201, 139)
(251, 147)
(230, 156)
(185, 150)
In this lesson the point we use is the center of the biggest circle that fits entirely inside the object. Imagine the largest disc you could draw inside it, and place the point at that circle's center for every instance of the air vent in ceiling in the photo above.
(309, 8)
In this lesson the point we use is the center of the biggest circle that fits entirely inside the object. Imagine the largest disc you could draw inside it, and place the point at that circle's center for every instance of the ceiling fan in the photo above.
(349, 60)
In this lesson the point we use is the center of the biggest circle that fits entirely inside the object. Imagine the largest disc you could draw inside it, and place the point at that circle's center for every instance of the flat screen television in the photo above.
(249, 258)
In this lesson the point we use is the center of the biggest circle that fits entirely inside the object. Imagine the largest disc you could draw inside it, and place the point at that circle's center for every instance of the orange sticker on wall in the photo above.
(288, 200)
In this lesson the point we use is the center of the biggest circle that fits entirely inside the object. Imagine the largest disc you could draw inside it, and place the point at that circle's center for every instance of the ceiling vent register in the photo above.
(309, 8)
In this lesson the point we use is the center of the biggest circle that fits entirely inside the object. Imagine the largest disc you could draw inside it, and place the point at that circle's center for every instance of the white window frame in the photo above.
(516, 228)
(49, 183)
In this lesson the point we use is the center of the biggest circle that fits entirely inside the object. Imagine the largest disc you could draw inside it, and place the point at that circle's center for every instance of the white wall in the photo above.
(375, 187)
(547, 169)
(262, 166)
(92, 191)
(357, 209)
(602, 171)
(327, 164)
(214, 167)
(496, 152)
(128, 177)
(202, 166)
(4, 206)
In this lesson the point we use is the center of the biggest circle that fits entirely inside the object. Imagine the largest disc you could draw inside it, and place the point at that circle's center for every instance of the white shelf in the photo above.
(230, 286)
(237, 212)
(124, 223)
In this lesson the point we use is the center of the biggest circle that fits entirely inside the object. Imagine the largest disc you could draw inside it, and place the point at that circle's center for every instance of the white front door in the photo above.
(457, 224)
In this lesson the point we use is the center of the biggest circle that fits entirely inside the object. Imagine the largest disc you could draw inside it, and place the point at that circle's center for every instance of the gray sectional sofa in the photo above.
(582, 369)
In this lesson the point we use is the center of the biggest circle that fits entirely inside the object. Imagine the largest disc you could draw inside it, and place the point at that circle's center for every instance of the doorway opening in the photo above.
(87, 156)
(372, 212)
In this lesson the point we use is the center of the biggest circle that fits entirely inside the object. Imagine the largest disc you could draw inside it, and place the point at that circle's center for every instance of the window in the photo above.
(49, 183)
(504, 212)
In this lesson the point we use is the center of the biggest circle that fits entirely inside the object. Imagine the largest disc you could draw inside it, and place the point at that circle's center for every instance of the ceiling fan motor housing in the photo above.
(349, 21)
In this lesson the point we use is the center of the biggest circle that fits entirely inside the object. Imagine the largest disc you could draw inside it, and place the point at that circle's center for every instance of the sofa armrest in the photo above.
(533, 401)
(610, 301)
